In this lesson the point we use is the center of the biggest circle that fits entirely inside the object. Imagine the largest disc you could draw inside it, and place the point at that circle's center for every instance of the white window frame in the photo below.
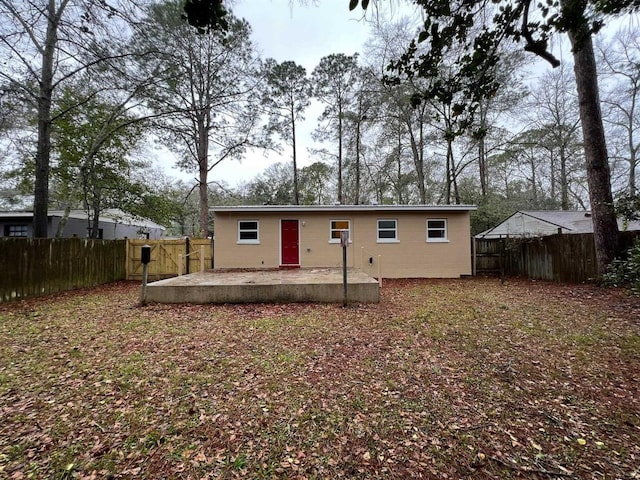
(433, 229)
(331, 230)
(249, 241)
(379, 229)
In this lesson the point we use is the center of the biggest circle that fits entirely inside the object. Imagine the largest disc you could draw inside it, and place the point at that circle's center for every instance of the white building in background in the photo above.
(540, 223)
(113, 224)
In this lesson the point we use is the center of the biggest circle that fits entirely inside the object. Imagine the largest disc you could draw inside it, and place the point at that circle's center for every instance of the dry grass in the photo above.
(442, 379)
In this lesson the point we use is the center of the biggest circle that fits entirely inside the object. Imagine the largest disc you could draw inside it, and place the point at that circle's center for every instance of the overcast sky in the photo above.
(287, 30)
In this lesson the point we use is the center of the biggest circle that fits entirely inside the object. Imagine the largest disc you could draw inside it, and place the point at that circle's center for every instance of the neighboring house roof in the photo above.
(535, 223)
(16, 214)
(342, 208)
(111, 215)
(115, 215)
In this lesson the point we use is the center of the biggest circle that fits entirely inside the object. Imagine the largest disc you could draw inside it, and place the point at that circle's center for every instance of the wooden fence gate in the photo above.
(166, 256)
(488, 256)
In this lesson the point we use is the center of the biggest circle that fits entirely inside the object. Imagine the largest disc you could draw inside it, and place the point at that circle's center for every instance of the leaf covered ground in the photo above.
(443, 379)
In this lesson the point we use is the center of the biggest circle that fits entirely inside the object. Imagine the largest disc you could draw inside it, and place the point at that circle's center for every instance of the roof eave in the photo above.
(343, 208)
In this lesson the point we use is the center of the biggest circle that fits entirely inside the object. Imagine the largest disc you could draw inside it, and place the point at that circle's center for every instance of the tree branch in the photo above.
(538, 47)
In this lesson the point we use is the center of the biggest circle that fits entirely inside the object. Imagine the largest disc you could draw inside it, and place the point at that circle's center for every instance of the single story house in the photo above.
(391, 241)
(540, 223)
(113, 224)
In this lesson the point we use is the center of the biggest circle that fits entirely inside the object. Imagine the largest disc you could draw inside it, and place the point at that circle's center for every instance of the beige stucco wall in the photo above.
(411, 257)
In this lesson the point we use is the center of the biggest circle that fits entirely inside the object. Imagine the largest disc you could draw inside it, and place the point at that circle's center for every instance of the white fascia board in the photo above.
(342, 208)
(16, 214)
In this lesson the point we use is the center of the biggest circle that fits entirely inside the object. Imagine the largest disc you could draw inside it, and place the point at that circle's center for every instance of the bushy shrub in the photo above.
(625, 272)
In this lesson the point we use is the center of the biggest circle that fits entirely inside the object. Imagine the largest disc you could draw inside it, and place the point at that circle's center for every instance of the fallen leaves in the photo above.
(442, 379)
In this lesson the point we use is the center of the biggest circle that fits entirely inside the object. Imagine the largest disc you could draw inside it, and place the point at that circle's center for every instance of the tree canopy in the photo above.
(476, 29)
(206, 15)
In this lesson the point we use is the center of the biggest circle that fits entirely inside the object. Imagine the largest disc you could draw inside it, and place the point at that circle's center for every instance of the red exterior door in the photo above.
(289, 243)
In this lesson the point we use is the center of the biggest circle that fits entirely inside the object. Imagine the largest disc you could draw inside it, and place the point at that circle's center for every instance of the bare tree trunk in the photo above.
(552, 172)
(357, 186)
(422, 188)
(454, 179)
(95, 221)
(41, 187)
(63, 221)
(417, 149)
(399, 171)
(451, 174)
(296, 192)
(605, 227)
(482, 166)
(340, 152)
(633, 163)
(482, 153)
(632, 175)
(203, 172)
(534, 180)
(564, 181)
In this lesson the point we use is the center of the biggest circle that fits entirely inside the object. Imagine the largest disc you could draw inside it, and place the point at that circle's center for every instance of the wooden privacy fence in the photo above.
(567, 258)
(34, 267)
(167, 256)
(563, 258)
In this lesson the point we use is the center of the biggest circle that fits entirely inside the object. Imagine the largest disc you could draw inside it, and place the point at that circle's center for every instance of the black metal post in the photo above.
(344, 275)
(143, 291)
(145, 258)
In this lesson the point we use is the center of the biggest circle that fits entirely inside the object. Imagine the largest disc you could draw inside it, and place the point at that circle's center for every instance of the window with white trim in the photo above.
(16, 231)
(387, 230)
(437, 230)
(248, 231)
(335, 227)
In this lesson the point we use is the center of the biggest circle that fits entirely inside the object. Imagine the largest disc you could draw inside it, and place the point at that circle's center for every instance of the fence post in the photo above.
(212, 250)
(201, 258)
(474, 262)
(187, 256)
(503, 253)
(179, 264)
(126, 258)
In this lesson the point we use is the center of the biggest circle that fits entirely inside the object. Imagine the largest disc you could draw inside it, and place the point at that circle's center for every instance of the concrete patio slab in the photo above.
(323, 285)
